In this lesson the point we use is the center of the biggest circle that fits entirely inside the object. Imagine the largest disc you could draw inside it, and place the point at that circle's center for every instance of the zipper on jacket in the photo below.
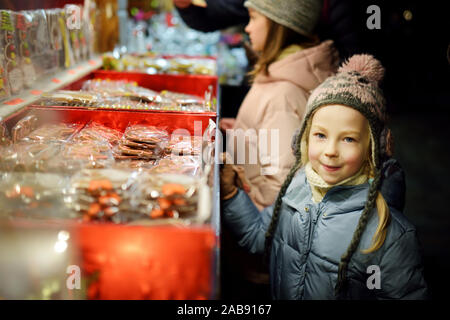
(312, 227)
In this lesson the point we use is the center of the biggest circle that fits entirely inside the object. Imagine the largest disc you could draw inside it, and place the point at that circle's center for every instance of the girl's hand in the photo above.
(231, 178)
(182, 4)
(226, 123)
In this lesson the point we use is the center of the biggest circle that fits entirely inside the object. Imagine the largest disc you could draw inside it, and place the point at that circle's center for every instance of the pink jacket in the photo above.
(270, 113)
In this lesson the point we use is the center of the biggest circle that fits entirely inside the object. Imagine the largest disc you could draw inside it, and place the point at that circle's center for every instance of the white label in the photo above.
(15, 80)
(29, 75)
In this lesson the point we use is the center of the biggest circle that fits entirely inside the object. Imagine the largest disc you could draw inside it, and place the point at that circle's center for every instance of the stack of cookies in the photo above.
(141, 142)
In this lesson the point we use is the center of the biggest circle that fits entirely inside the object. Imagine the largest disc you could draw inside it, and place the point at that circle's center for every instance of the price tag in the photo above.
(36, 92)
(14, 102)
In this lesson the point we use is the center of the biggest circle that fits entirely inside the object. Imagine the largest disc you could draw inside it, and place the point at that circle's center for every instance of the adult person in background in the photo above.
(217, 15)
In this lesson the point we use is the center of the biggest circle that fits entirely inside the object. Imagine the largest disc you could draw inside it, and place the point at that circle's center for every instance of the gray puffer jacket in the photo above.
(311, 238)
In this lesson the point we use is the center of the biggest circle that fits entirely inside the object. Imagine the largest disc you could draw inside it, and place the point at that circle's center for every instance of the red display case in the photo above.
(136, 262)
(189, 84)
(194, 122)
(139, 262)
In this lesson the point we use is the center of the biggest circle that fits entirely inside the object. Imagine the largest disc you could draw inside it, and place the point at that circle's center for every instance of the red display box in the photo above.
(194, 122)
(189, 84)
(136, 262)
(123, 262)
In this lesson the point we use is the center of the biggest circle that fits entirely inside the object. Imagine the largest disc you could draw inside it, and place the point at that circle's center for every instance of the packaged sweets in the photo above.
(103, 195)
(97, 133)
(36, 46)
(142, 142)
(55, 35)
(35, 156)
(89, 154)
(73, 26)
(4, 85)
(10, 51)
(24, 127)
(24, 24)
(59, 36)
(69, 98)
(52, 132)
(169, 195)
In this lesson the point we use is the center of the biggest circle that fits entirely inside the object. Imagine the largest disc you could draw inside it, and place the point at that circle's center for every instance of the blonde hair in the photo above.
(384, 218)
(278, 38)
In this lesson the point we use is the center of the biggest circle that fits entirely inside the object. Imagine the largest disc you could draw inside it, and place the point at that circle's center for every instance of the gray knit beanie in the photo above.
(298, 15)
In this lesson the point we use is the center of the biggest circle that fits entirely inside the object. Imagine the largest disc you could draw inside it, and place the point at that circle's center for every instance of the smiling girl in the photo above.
(330, 226)
(291, 62)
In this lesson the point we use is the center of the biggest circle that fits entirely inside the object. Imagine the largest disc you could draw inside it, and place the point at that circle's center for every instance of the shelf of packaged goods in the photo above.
(48, 83)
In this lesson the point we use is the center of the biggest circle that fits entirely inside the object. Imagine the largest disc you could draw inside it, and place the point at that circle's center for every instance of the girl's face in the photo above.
(257, 29)
(338, 142)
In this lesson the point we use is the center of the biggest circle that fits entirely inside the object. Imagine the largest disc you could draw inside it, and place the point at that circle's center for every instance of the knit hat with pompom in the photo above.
(356, 86)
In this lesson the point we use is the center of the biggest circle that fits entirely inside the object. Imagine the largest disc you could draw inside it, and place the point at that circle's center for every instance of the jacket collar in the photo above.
(339, 199)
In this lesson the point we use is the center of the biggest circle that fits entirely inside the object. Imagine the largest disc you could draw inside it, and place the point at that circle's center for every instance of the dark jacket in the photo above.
(339, 21)
(219, 14)
(311, 238)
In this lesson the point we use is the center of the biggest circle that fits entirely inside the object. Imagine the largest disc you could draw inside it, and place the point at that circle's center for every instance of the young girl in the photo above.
(330, 234)
(291, 63)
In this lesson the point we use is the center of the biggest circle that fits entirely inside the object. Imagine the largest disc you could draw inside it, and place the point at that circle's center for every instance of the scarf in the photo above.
(319, 187)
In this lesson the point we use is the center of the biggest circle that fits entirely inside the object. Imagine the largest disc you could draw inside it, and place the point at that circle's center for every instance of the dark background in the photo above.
(417, 88)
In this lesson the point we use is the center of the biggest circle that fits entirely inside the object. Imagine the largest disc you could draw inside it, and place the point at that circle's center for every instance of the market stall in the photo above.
(108, 181)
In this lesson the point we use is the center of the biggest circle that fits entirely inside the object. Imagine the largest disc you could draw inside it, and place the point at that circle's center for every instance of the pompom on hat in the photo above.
(301, 16)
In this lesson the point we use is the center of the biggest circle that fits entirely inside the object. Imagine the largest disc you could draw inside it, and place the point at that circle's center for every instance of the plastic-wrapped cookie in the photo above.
(137, 145)
(136, 152)
(146, 134)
